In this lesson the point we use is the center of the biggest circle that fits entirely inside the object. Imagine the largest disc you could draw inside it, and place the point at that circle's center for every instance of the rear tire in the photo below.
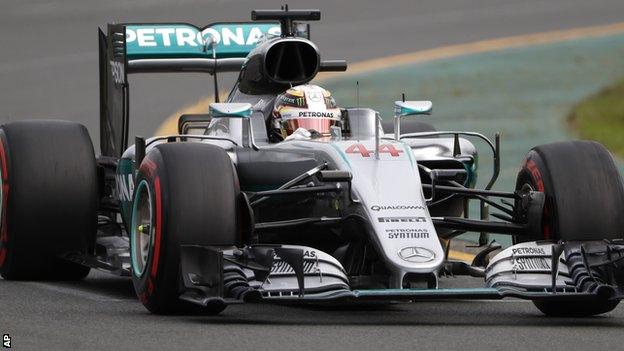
(584, 201)
(49, 199)
(186, 193)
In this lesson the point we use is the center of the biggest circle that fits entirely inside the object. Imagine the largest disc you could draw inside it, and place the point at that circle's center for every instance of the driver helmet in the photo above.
(305, 106)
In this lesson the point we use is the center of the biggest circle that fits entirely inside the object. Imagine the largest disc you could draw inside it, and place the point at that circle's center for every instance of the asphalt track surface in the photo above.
(48, 69)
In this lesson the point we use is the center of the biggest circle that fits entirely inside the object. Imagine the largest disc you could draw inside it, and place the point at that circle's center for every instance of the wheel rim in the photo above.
(142, 229)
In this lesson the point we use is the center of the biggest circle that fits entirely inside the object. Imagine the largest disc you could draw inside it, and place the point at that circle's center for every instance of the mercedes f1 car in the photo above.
(220, 214)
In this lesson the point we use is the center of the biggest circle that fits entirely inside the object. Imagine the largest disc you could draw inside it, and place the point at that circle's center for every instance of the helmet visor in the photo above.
(320, 125)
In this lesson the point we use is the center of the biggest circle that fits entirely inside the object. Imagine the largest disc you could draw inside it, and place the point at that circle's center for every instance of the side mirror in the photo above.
(238, 111)
(230, 110)
(412, 108)
(409, 108)
(195, 124)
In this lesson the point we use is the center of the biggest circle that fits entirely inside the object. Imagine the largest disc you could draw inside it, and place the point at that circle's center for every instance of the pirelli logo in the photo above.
(401, 219)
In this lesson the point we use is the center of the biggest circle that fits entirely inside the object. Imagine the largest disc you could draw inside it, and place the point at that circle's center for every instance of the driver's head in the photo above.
(305, 106)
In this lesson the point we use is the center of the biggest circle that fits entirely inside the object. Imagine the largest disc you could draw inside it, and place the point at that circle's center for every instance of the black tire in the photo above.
(575, 308)
(584, 191)
(196, 201)
(407, 126)
(50, 199)
(584, 201)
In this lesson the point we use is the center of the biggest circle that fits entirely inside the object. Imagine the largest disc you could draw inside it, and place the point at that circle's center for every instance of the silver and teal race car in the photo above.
(222, 214)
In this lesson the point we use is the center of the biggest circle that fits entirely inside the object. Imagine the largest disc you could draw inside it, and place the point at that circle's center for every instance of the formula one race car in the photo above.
(230, 211)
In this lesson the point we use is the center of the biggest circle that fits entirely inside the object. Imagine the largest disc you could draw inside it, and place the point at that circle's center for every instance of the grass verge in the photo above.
(600, 117)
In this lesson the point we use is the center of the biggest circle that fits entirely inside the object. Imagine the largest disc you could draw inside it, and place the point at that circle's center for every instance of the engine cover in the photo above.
(277, 64)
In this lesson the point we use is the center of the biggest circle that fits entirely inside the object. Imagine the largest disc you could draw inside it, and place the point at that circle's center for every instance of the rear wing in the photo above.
(166, 47)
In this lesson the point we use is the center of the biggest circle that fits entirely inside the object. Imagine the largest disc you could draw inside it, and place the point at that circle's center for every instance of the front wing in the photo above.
(574, 271)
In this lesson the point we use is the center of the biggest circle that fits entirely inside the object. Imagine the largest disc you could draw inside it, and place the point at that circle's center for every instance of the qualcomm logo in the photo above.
(416, 254)
(397, 207)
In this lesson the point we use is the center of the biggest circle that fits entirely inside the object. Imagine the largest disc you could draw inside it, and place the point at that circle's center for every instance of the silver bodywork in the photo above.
(390, 194)
(386, 186)
(527, 266)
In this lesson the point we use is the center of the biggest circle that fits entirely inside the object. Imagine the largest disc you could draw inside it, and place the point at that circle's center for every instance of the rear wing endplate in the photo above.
(113, 91)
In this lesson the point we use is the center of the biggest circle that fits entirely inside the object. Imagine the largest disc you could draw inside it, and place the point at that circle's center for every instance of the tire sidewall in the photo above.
(151, 174)
(5, 244)
(534, 173)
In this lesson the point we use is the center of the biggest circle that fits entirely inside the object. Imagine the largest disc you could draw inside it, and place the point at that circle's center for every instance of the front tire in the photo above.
(584, 201)
(186, 193)
(574, 308)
